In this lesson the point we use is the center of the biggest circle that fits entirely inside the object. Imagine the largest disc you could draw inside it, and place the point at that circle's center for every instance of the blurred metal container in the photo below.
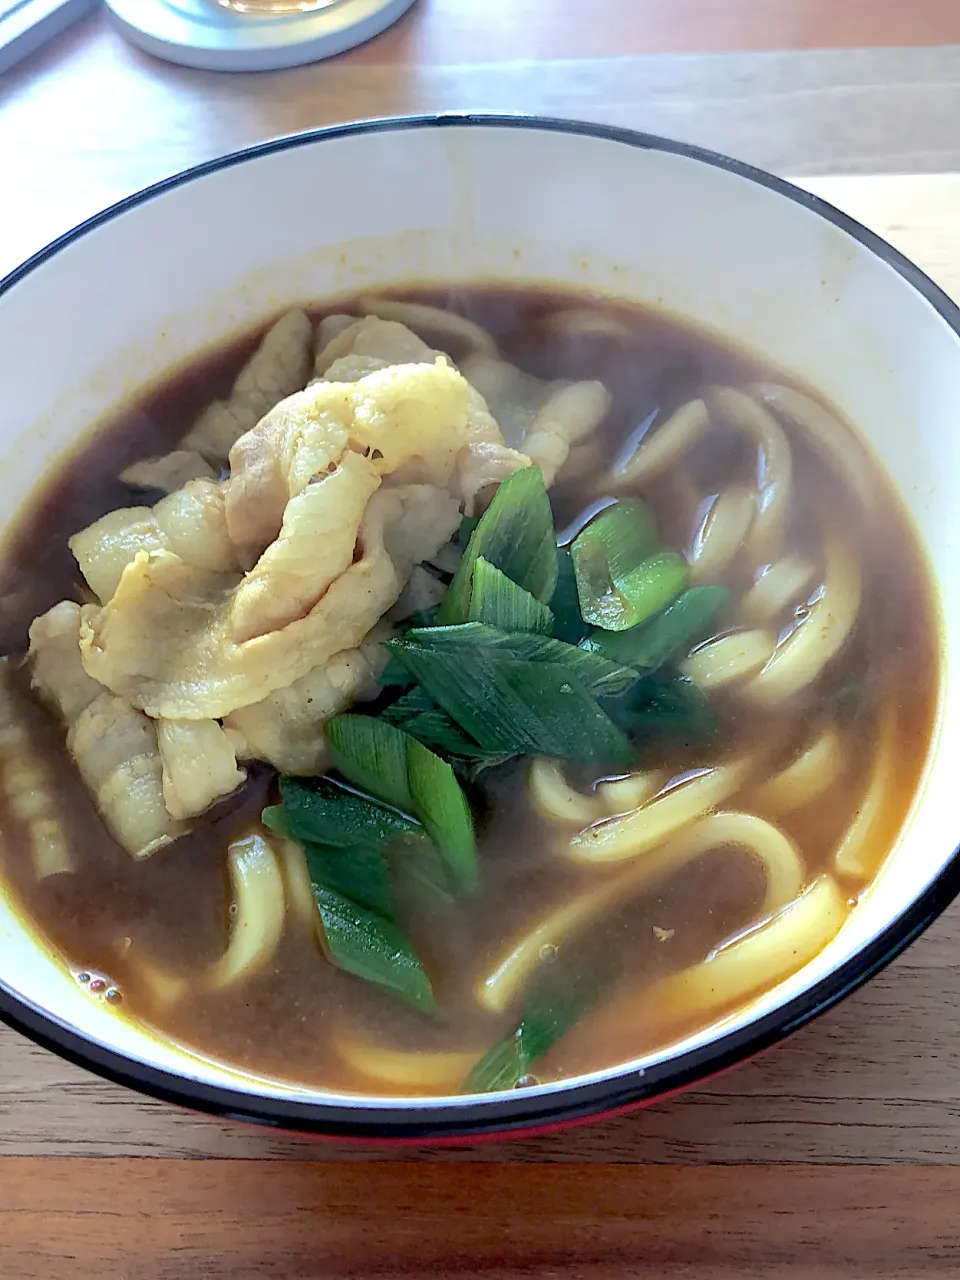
(251, 35)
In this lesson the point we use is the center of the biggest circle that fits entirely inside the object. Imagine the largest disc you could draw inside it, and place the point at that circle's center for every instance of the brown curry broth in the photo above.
(174, 906)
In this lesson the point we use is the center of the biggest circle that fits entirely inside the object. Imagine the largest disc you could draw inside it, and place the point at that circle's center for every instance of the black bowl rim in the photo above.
(622, 1089)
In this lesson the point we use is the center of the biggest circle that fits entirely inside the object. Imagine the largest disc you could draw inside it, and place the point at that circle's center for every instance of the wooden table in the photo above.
(837, 1154)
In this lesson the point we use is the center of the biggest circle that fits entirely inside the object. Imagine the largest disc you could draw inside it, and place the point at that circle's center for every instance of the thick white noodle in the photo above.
(568, 416)
(662, 448)
(817, 640)
(296, 878)
(775, 467)
(774, 852)
(812, 772)
(627, 836)
(496, 379)
(329, 328)
(754, 960)
(778, 586)
(404, 1068)
(431, 323)
(686, 495)
(834, 439)
(620, 795)
(583, 459)
(859, 853)
(583, 322)
(729, 659)
(722, 534)
(555, 799)
(259, 908)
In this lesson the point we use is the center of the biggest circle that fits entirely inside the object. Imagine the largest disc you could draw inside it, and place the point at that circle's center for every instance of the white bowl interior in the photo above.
(143, 291)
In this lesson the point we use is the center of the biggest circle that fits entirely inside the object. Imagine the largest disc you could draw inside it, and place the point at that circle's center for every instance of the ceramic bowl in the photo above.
(186, 263)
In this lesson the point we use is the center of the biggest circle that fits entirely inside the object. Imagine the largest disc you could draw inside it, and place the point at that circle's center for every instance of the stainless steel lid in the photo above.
(203, 33)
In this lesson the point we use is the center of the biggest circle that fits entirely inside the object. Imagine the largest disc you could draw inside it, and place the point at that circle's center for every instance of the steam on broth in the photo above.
(458, 691)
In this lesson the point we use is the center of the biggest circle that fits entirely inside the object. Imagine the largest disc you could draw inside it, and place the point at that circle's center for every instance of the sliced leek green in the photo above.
(497, 600)
(516, 534)
(667, 636)
(365, 944)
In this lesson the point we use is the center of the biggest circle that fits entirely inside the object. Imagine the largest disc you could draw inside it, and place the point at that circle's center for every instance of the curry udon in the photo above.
(457, 690)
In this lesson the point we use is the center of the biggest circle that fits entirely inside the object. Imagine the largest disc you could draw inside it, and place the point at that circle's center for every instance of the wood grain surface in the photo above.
(836, 1154)
(452, 31)
(500, 1221)
(89, 119)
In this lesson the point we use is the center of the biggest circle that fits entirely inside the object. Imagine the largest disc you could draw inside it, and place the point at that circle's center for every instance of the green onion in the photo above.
(412, 703)
(497, 600)
(599, 675)
(465, 532)
(394, 767)
(344, 836)
(605, 556)
(359, 874)
(627, 533)
(668, 635)
(567, 622)
(421, 879)
(275, 817)
(363, 943)
(440, 802)
(517, 707)
(320, 811)
(573, 725)
(654, 584)
(372, 754)
(423, 617)
(853, 697)
(436, 730)
(416, 713)
(515, 534)
(555, 1004)
(660, 706)
(394, 675)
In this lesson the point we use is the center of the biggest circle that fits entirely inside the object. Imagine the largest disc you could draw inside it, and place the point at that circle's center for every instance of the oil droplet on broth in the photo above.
(98, 984)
